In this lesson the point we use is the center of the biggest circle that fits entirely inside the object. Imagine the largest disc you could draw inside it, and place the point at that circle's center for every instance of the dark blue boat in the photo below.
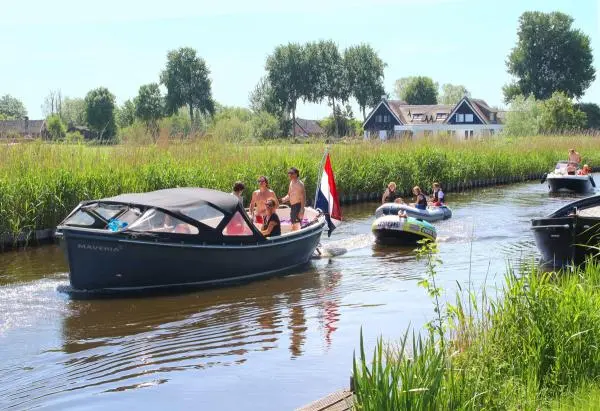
(177, 238)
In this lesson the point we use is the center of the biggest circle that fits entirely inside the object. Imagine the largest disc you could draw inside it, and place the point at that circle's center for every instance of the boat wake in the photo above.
(340, 247)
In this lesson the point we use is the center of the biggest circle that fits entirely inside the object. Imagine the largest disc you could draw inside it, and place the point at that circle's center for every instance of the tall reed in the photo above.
(535, 345)
(40, 183)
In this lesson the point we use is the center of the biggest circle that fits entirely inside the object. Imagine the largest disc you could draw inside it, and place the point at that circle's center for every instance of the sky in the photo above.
(75, 45)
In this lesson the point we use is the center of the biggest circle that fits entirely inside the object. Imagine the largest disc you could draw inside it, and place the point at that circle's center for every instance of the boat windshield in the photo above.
(156, 221)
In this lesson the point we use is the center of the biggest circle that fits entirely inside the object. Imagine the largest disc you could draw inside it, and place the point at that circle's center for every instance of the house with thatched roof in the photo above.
(467, 119)
(306, 128)
(23, 127)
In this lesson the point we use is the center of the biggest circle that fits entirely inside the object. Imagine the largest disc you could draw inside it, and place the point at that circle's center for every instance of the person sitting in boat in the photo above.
(571, 168)
(420, 199)
(574, 156)
(271, 225)
(259, 197)
(437, 199)
(390, 194)
(238, 190)
(584, 171)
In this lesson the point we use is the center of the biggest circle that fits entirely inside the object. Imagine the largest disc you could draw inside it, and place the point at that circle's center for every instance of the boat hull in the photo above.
(570, 184)
(105, 264)
(564, 240)
(393, 230)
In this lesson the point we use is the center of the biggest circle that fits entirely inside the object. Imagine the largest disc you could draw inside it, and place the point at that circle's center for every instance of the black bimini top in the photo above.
(176, 199)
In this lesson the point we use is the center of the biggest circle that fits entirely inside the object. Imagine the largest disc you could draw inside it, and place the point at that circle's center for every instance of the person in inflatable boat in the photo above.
(438, 197)
(585, 170)
(390, 194)
(420, 199)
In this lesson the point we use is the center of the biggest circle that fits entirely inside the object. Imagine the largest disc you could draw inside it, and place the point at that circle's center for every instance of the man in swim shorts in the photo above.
(297, 197)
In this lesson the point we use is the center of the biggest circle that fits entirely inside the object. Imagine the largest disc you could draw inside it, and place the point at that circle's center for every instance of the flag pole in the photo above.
(320, 175)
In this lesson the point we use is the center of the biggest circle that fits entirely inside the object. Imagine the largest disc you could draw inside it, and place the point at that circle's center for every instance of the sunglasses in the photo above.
(268, 205)
(261, 181)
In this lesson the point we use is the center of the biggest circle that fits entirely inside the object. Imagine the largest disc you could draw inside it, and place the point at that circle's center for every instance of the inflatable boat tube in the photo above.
(431, 214)
(394, 230)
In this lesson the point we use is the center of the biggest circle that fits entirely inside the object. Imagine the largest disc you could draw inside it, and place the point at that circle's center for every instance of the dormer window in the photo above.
(417, 116)
(440, 116)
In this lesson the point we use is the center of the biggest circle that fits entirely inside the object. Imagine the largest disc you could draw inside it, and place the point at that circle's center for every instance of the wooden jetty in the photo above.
(338, 401)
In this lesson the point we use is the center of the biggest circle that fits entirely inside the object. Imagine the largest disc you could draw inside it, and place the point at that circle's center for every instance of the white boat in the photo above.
(560, 181)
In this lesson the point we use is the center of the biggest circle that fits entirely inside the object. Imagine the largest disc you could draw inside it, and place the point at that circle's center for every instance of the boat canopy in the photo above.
(176, 200)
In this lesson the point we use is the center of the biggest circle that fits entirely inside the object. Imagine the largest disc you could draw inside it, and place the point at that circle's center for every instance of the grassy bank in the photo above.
(40, 183)
(534, 347)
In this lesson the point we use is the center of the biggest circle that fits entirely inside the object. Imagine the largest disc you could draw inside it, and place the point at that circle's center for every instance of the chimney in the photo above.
(383, 97)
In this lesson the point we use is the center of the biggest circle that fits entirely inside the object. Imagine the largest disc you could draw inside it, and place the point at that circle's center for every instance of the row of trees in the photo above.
(186, 78)
(423, 90)
(316, 72)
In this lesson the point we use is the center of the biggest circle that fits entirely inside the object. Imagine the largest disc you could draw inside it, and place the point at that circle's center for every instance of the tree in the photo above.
(56, 128)
(149, 106)
(365, 75)
(417, 90)
(12, 108)
(559, 114)
(264, 125)
(287, 74)
(328, 75)
(452, 94)
(52, 103)
(592, 112)
(100, 112)
(263, 98)
(549, 56)
(187, 82)
(73, 111)
(125, 114)
(523, 117)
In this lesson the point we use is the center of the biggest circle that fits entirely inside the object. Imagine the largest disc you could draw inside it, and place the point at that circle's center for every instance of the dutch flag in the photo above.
(327, 197)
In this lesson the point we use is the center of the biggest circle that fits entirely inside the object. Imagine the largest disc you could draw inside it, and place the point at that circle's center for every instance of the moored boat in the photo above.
(395, 230)
(177, 238)
(430, 214)
(560, 181)
(564, 236)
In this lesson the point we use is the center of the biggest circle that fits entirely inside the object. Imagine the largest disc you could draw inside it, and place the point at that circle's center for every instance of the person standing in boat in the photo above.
(420, 199)
(271, 225)
(390, 194)
(238, 191)
(574, 156)
(257, 206)
(297, 198)
(438, 197)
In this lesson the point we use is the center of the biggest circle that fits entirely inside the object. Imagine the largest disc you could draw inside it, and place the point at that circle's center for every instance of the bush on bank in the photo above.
(41, 182)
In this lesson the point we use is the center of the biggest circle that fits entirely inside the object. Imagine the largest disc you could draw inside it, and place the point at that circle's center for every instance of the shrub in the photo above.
(264, 125)
(57, 130)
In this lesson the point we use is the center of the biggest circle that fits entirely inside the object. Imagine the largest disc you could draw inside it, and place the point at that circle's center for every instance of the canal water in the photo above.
(268, 345)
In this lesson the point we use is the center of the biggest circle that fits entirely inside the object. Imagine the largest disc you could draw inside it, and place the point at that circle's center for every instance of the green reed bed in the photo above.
(534, 347)
(40, 183)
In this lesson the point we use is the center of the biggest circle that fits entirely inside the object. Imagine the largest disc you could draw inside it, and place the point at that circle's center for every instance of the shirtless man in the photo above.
(297, 197)
(574, 156)
(259, 199)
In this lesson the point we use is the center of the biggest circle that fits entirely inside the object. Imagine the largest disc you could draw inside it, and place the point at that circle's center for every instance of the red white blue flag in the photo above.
(327, 197)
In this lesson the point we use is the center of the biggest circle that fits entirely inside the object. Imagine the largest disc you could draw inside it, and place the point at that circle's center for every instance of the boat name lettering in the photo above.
(388, 224)
(104, 248)
(427, 231)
